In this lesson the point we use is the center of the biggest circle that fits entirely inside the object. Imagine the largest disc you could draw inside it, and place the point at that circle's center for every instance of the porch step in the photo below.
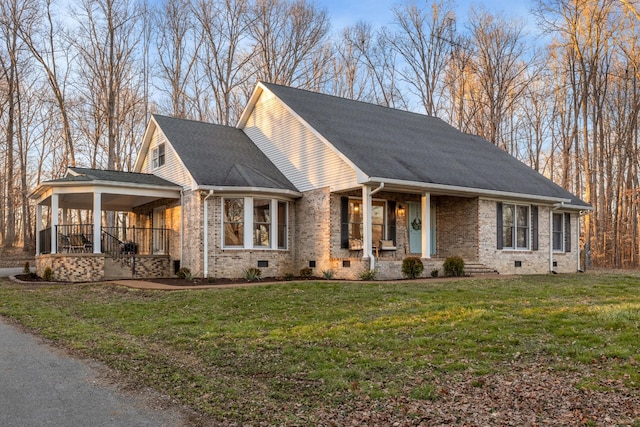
(476, 268)
(115, 269)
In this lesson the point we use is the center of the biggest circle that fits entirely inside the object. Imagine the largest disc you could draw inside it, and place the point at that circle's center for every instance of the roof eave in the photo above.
(146, 140)
(44, 187)
(257, 91)
(469, 191)
(231, 189)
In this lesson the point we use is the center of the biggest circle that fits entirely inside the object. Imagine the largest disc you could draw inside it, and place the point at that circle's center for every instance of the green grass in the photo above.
(247, 354)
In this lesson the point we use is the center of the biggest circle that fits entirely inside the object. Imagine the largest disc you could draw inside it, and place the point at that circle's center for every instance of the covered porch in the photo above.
(85, 229)
(382, 223)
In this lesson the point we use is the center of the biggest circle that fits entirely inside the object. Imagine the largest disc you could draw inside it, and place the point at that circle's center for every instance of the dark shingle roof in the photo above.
(221, 155)
(88, 175)
(395, 144)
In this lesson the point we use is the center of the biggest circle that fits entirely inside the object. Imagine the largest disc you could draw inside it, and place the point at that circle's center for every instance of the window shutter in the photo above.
(391, 220)
(499, 225)
(534, 227)
(567, 232)
(344, 222)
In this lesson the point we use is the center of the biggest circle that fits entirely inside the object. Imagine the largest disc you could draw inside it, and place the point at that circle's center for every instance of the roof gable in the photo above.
(217, 155)
(398, 145)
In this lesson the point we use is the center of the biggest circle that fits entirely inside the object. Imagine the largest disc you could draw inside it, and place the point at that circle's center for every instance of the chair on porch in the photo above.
(79, 243)
(64, 244)
(355, 244)
(385, 245)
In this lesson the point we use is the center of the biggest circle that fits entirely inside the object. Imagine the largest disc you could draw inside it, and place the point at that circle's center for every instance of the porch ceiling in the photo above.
(110, 202)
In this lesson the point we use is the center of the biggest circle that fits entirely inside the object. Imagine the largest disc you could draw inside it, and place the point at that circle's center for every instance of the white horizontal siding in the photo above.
(302, 157)
(172, 170)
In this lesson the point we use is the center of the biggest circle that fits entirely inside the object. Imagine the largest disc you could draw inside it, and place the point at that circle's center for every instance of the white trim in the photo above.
(561, 250)
(54, 223)
(97, 223)
(514, 236)
(38, 227)
(426, 225)
(469, 191)
(290, 194)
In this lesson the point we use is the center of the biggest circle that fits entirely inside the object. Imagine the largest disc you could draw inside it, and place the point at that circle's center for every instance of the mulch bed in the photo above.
(221, 281)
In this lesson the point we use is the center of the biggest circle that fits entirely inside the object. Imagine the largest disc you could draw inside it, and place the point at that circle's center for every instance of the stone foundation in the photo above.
(76, 268)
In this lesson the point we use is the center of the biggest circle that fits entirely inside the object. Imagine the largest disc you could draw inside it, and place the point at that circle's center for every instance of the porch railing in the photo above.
(116, 241)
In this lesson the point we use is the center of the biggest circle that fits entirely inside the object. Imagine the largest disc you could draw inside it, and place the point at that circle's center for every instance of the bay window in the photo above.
(265, 220)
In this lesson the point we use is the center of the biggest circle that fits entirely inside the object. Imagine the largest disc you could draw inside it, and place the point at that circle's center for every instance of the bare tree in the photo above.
(285, 34)
(107, 39)
(500, 68)
(41, 36)
(424, 41)
(177, 52)
(12, 13)
(224, 55)
(378, 55)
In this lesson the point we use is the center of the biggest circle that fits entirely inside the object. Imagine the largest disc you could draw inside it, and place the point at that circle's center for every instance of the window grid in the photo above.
(516, 226)
(260, 217)
(558, 232)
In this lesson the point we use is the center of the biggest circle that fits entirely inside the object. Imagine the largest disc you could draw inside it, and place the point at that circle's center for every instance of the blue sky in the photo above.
(378, 12)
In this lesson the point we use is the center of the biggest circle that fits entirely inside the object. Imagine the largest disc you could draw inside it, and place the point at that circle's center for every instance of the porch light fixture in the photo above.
(401, 211)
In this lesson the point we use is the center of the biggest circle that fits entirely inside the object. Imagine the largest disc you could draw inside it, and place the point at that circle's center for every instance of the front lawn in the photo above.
(330, 352)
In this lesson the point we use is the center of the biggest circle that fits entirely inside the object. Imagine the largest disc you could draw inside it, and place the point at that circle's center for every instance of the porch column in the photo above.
(367, 249)
(54, 223)
(97, 222)
(38, 226)
(426, 225)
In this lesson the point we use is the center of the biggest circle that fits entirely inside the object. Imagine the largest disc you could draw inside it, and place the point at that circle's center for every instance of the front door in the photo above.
(159, 232)
(414, 224)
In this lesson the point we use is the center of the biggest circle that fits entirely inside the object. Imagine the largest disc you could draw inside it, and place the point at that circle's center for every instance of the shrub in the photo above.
(328, 274)
(435, 272)
(48, 274)
(288, 277)
(252, 274)
(27, 268)
(368, 274)
(453, 266)
(306, 272)
(412, 267)
(184, 273)
(211, 279)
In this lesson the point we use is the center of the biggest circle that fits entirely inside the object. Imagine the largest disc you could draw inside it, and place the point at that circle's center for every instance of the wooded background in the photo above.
(79, 79)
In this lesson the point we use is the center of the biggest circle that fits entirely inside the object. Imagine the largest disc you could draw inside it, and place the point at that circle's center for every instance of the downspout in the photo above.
(555, 207)
(372, 260)
(181, 228)
(205, 237)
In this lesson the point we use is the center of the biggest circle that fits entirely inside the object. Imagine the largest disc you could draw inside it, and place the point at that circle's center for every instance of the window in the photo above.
(157, 156)
(355, 220)
(234, 222)
(515, 226)
(558, 232)
(282, 225)
(265, 220)
(261, 223)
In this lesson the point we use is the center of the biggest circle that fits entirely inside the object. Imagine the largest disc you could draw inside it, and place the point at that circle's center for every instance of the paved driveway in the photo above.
(6, 272)
(41, 386)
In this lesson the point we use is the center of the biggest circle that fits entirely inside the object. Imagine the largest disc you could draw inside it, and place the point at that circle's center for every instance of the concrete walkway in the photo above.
(6, 272)
(42, 386)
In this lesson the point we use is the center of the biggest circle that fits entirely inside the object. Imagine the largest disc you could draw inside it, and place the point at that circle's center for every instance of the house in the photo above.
(310, 180)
